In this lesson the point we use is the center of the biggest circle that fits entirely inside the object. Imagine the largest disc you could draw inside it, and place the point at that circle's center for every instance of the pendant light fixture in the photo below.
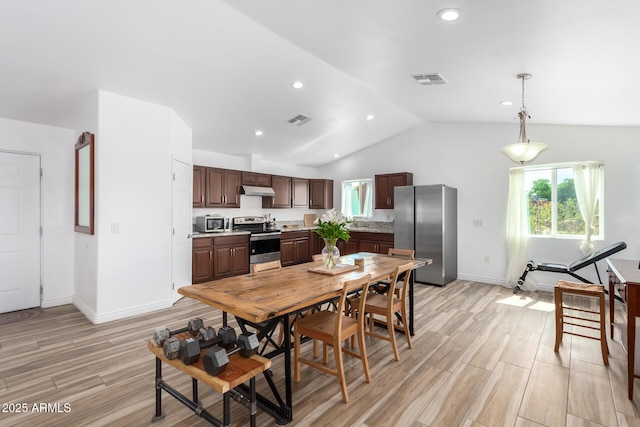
(523, 150)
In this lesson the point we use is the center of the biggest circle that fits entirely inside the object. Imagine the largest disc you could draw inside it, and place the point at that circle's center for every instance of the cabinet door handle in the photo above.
(210, 254)
(202, 198)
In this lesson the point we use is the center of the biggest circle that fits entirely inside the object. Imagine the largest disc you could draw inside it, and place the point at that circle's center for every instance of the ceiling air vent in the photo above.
(300, 120)
(430, 79)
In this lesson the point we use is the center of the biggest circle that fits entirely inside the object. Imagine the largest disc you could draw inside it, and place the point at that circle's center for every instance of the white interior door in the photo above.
(19, 231)
(181, 224)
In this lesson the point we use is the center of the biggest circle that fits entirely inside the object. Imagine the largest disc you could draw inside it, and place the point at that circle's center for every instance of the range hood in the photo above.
(252, 190)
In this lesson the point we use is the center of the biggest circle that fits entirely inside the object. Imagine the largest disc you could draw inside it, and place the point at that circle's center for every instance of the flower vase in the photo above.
(330, 253)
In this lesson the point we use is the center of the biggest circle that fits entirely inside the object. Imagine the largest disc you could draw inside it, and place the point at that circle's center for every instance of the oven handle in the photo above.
(268, 236)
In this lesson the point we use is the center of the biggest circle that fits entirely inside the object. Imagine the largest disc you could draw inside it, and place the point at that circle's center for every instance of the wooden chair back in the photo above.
(317, 257)
(266, 266)
(403, 273)
(360, 285)
(404, 253)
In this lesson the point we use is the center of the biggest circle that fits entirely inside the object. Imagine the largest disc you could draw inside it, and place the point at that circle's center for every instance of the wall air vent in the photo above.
(430, 79)
(300, 120)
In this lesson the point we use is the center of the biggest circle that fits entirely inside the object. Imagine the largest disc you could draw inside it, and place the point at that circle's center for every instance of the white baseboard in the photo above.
(84, 309)
(543, 287)
(55, 302)
(96, 318)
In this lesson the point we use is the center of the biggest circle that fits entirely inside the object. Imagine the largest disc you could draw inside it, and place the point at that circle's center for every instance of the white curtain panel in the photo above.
(587, 181)
(367, 209)
(346, 199)
(517, 231)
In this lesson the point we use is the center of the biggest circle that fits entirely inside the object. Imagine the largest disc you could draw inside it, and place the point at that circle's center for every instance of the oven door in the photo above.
(264, 248)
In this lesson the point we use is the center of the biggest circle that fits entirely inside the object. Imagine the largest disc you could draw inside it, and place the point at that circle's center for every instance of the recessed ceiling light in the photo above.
(369, 117)
(506, 103)
(258, 132)
(449, 14)
(336, 155)
(297, 85)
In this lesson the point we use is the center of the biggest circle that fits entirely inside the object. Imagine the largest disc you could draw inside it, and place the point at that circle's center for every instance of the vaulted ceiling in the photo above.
(226, 67)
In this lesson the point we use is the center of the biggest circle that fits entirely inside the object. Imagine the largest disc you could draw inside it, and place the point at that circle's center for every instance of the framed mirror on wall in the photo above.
(84, 209)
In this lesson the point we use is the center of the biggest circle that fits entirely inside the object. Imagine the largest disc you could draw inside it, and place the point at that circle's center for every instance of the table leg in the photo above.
(194, 387)
(411, 330)
(612, 301)
(287, 364)
(252, 401)
(159, 415)
(631, 336)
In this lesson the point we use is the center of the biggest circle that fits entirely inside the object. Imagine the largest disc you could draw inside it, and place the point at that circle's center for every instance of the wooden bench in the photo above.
(229, 383)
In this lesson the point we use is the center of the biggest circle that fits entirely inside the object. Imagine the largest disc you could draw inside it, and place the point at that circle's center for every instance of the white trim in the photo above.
(55, 302)
(544, 287)
(119, 314)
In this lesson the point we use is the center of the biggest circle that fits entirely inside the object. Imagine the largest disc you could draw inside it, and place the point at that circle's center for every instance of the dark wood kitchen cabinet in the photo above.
(199, 177)
(222, 188)
(282, 187)
(300, 193)
(384, 185)
(257, 179)
(294, 248)
(345, 248)
(202, 260)
(320, 194)
(230, 256)
(378, 243)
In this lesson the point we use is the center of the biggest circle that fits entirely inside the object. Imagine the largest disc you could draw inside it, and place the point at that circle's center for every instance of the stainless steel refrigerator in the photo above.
(426, 220)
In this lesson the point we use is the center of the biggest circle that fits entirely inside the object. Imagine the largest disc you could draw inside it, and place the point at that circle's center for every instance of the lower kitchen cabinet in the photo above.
(345, 248)
(218, 257)
(230, 256)
(378, 243)
(202, 260)
(294, 247)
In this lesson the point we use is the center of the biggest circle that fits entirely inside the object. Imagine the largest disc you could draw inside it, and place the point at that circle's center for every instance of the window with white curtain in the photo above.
(357, 198)
(560, 197)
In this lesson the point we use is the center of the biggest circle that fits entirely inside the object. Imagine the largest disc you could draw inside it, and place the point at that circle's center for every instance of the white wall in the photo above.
(85, 288)
(467, 156)
(55, 147)
(134, 149)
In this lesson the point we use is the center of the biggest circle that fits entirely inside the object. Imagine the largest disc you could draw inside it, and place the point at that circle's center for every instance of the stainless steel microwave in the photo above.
(211, 224)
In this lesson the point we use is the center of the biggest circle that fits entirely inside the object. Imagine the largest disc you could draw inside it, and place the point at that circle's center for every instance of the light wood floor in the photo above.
(481, 357)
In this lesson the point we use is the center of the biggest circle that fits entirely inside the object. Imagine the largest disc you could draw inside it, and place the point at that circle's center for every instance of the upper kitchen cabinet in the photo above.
(222, 188)
(282, 187)
(385, 185)
(300, 193)
(320, 194)
(256, 179)
(199, 180)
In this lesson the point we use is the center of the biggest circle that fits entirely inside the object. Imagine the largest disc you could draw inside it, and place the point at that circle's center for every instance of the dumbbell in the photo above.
(216, 358)
(188, 350)
(162, 334)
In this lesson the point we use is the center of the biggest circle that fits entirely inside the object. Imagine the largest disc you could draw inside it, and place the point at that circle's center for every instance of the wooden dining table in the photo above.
(272, 297)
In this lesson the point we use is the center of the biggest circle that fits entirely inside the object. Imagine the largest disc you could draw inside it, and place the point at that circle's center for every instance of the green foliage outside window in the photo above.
(569, 220)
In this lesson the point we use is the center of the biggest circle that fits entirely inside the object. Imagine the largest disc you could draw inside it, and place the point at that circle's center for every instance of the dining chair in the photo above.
(260, 268)
(266, 266)
(317, 257)
(333, 328)
(387, 305)
(401, 253)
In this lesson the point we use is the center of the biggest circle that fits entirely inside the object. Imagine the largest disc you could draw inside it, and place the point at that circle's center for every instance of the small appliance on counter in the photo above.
(211, 224)
(268, 223)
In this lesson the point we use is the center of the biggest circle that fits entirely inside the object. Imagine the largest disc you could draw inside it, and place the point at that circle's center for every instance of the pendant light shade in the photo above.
(523, 150)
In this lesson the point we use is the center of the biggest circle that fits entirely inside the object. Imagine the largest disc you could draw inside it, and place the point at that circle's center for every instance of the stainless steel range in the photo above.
(264, 244)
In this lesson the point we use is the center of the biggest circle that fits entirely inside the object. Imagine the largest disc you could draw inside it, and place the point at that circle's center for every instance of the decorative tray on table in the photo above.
(338, 269)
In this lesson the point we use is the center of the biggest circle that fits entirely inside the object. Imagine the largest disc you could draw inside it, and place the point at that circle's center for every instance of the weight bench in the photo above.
(573, 267)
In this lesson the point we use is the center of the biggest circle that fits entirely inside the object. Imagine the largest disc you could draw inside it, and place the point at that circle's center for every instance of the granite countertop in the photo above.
(367, 229)
(197, 235)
